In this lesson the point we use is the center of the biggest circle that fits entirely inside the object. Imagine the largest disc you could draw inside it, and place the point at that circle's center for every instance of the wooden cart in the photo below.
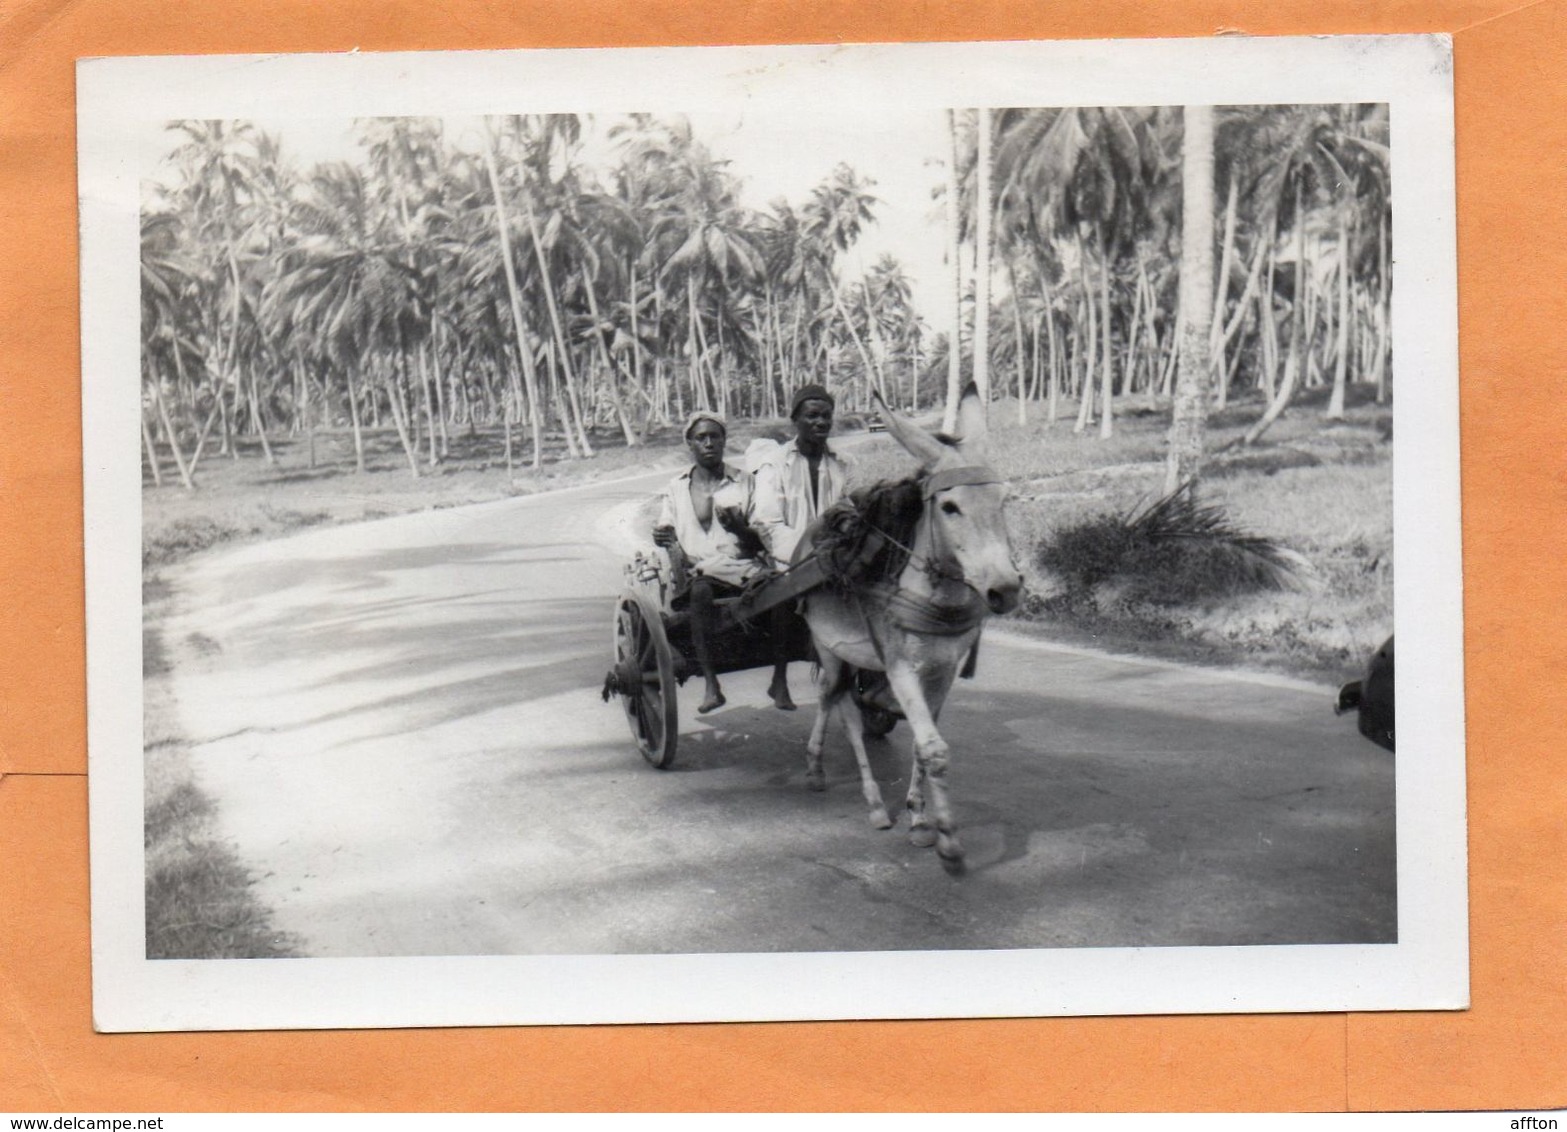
(654, 653)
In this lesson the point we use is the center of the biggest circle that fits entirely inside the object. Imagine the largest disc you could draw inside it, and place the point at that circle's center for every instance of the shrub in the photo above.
(1173, 551)
(182, 538)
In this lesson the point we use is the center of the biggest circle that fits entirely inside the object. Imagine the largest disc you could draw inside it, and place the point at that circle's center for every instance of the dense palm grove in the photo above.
(512, 286)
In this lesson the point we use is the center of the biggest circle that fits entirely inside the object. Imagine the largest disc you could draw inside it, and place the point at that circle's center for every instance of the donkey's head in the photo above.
(963, 503)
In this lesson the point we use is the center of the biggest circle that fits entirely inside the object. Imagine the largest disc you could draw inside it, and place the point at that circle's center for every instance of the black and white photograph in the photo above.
(707, 534)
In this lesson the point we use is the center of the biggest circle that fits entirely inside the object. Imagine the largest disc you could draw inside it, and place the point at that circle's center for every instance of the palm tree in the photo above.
(949, 420)
(791, 258)
(543, 146)
(702, 249)
(354, 285)
(1333, 156)
(1092, 168)
(983, 208)
(1190, 411)
(408, 159)
(502, 224)
(219, 163)
(834, 216)
(165, 279)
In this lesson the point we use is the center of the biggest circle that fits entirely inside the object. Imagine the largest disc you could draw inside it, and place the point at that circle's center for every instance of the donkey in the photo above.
(919, 625)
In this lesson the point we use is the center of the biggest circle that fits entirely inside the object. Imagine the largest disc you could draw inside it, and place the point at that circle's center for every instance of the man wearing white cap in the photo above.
(703, 509)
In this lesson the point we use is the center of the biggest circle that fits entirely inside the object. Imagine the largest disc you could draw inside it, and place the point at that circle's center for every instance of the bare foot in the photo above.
(713, 701)
(780, 693)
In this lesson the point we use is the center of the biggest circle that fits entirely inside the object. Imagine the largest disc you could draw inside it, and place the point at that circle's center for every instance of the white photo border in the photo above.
(1427, 968)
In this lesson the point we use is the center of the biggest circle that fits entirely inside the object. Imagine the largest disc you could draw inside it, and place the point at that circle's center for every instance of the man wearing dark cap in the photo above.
(797, 483)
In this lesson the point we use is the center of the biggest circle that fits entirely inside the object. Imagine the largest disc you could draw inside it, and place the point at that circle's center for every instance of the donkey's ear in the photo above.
(972, 425)
(916, 441)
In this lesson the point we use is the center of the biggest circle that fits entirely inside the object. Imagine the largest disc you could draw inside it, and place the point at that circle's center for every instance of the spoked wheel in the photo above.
(644, 675)
(878, 721)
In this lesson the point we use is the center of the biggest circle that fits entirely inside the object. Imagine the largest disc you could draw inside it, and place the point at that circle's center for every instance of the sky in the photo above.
(902, 151)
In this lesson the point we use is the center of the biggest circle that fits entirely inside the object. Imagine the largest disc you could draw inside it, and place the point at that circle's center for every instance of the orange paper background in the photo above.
(1508, 1051)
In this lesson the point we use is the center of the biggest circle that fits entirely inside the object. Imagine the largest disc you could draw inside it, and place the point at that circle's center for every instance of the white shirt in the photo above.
(712, 550)
(785, 505)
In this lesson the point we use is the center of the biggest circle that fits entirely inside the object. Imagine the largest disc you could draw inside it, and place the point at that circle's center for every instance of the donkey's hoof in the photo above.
(922, 837)
(815, 780)
(955, 866)
(879, 818)
(950, 850)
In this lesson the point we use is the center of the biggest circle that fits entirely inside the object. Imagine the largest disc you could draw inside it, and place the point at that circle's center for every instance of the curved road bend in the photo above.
(401, 723)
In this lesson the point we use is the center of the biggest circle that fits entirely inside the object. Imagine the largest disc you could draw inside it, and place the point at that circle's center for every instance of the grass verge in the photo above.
(247, 499)
(200, 898)
(1320, 489)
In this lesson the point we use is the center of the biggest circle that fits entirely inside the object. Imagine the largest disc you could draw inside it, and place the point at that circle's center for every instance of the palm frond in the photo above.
(1231, 553)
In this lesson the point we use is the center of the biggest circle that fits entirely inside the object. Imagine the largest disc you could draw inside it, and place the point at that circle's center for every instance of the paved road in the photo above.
(401, 723)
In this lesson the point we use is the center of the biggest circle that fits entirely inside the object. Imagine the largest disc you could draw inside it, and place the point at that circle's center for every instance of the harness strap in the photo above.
(922, 615)
(957, 477)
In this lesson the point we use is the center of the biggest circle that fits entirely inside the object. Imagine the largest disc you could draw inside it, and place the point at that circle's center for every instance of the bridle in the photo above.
(938, 565)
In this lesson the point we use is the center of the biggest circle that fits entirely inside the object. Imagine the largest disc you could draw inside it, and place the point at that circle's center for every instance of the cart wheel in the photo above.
(647, 683)
(878, 721)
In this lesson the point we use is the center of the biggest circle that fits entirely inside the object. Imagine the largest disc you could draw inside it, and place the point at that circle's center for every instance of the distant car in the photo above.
(875, 424)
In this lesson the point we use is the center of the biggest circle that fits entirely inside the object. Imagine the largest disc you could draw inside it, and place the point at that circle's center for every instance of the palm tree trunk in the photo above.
(506, 429)
(1217, 342)
(399, 407)
(794, 344)
(1267, 319)
(1107, 402)
(636, 337)
(982, 262)
(722, 373)
(1133, 327)
(610, 370)
(1053, 393)
(1036, 361)
(151, 450)
(255, 412)
(1226, 332)
(695, 345)
(1293, 363)
(1085, 405)
(879, 350)
(1379, 351)
(230, 367)
(1017, 334)
(206, 430)
(558, 402)
(168, 432)
(553, 307)
(306, 419)
(1341, 349)
(353, 416)
(872, 371)
(949, 420)
(422, 361)
(1189, 413)
(524, 354)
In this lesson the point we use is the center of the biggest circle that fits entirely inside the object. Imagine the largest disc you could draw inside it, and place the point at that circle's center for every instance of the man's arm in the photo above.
(767, 514)
(664, 526)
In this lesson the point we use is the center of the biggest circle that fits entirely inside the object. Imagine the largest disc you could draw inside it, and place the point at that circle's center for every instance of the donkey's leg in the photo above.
(830, 685)
(937, 684)
(849, 711)
(928, 776)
